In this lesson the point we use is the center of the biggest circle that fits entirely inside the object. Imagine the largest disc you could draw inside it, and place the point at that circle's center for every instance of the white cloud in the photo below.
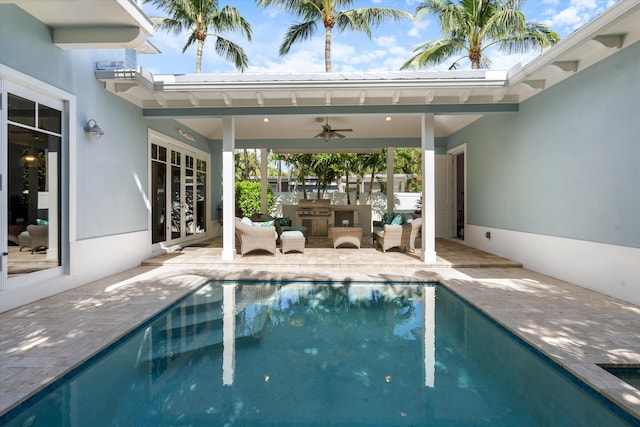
(418, 26)
(575, 15)
(502, 61)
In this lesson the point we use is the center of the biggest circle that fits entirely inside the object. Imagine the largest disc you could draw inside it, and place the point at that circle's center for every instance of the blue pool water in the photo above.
(302, 354)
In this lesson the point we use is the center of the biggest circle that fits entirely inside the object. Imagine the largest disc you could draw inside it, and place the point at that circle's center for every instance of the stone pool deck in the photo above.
(575, 327)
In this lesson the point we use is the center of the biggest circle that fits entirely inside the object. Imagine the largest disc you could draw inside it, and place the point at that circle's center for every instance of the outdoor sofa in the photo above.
(255, 236)
(35, 237)
(282, 224)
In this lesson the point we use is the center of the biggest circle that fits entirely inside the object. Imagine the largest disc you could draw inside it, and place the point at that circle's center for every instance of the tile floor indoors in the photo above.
(576, 327)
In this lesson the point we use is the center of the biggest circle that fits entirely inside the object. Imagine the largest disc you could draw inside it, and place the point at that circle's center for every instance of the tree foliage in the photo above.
(202, 19)
(470, 27)
(248, 199)
(329, 13)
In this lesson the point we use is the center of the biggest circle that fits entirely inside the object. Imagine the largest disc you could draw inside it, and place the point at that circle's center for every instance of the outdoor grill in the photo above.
(311, 208)
(315, 214)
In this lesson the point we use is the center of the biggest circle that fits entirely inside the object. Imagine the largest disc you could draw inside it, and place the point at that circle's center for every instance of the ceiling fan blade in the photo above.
(342, 130)
(339, 135)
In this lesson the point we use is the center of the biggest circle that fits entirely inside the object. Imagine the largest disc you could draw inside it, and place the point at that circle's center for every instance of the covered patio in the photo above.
(287, 113)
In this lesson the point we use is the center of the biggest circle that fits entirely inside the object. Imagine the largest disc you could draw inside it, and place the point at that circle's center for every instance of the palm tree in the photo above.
(302, 166)
(326, 169)
(346, 163)
(198, 17)
(375, 162)
(327, 12)
(409, 162)
(472, 26)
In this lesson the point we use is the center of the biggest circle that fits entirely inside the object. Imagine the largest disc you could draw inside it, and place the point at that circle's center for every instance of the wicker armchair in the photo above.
(37, 238)
(402, 236)
(255, 238)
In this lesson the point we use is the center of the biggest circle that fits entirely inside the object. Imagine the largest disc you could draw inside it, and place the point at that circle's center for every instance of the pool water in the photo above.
(307, 354)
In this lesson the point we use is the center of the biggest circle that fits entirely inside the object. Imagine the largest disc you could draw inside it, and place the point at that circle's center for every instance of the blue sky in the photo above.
(390, 46)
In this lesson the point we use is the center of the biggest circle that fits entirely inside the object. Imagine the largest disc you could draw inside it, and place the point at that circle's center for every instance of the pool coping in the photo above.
(529, 305)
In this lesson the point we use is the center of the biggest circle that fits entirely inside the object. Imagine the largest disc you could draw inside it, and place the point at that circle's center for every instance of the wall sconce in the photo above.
(93, 129)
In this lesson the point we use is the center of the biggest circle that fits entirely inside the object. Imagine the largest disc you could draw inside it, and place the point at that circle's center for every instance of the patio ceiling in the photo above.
(295, 104)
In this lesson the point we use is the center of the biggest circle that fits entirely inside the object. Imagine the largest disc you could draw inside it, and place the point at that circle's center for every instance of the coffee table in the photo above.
(345, 234)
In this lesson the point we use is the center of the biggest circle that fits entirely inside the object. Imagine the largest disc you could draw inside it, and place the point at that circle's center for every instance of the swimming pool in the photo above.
(297, 353)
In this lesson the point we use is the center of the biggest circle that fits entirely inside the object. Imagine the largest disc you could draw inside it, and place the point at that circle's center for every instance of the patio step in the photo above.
(247, 328)
(198, 324)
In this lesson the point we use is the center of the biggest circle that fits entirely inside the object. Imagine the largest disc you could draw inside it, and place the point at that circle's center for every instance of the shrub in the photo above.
(248, 198)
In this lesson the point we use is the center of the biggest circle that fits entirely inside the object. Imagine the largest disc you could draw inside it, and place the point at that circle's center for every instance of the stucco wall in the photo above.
(104, 181)
(556, 183)
(111, 172)
(566, 164)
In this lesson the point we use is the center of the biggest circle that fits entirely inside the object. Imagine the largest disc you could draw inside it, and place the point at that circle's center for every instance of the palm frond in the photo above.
(297, 33)
(231, 52)
(229, 19)
(432, 53)
(476, 25)
(362, 19)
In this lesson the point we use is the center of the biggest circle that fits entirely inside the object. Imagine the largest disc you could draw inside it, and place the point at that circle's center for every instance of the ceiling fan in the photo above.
(328, 133)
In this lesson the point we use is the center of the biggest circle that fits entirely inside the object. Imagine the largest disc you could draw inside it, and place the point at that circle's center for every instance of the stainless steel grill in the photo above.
(309, 208)
(315, 215)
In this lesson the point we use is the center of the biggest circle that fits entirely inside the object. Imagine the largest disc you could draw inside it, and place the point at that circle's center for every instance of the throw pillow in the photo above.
(246, 220)
(263, 224)
(397, 220)
(387, 217)
(285, 221)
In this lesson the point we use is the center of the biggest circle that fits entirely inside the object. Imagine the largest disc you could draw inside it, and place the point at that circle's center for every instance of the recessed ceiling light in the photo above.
(388, 118)
(266, 120)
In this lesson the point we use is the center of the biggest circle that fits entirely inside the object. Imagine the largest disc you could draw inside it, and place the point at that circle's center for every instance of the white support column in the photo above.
(429, 328)
(228, 334)
(428, 189)
(228, 192)
(390, 174)
(263, 181)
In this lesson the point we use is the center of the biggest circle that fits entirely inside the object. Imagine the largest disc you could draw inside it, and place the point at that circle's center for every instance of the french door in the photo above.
(179, 191)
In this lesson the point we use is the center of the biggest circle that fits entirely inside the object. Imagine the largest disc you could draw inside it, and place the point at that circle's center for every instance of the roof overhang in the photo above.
(103, 24)
(456, 98)
(615, 29)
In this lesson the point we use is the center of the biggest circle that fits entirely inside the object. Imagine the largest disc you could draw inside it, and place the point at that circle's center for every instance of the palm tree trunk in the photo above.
(327, 50)
(373, 178)
(199, 56)
(246, 164)
(347, 188)
(279, 181)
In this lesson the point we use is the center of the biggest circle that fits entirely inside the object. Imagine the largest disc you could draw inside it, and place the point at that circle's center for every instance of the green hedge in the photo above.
(248, 198)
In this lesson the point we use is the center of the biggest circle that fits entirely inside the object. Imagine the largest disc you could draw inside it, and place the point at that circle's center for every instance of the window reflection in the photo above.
(33, 196)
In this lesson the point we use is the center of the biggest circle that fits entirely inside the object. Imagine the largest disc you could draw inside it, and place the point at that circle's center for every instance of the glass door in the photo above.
(179, 191)
(31, 185)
